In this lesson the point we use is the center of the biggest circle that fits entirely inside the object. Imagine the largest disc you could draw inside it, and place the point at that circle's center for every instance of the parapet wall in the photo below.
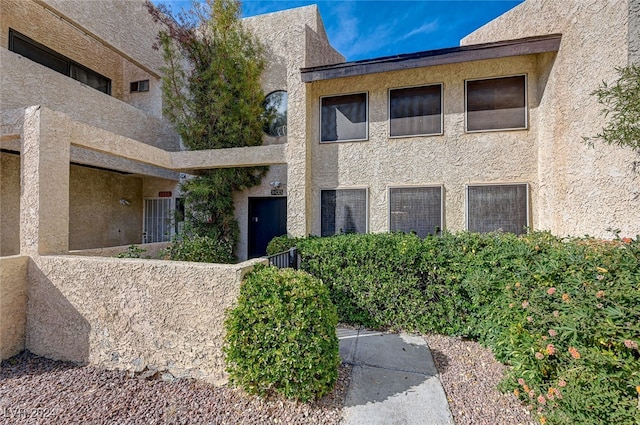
(132, 314)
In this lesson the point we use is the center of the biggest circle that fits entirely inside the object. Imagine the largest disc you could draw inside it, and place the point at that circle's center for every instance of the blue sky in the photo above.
(365, 29)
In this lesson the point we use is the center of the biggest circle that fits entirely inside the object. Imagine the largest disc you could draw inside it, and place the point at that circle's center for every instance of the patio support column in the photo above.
(44, 199)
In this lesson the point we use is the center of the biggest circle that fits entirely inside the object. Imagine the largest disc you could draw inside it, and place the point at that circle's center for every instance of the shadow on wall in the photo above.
(55, 329)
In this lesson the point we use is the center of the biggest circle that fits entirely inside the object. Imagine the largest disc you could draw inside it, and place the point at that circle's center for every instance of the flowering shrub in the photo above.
(564, 313)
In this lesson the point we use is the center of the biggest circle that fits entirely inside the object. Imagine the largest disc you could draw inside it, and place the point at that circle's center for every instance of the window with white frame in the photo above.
(498, 207)
(416, 209)
(343, 211)
(496, 104)
(344, 118)
(415, 111)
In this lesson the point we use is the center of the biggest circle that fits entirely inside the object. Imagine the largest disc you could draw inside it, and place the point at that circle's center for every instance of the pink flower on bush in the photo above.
(556, 313)
(562, 383)
(510, 305)
(551, 350)
(599, 277)
(574, 352)
(600, 294)
(539, 355)
(552, 332)
(599, 305)
(630, 344)
(521, 381)
(525, 304)
(541, 399)
(529, 319)
(532, 394)
(551, 291)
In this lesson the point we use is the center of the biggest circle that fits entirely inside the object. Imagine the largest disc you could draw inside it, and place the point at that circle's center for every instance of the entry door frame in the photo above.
(251, 225)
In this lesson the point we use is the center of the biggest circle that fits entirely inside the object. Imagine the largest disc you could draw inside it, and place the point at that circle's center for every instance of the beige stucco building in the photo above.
(483, 136)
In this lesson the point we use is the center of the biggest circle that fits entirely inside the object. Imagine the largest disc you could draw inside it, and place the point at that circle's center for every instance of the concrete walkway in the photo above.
(393, 381)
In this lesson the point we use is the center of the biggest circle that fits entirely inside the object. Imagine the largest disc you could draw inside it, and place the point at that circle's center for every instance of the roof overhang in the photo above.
(475, 52)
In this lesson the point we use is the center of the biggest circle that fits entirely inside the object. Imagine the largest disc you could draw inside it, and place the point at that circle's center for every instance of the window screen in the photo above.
(415, 111)
(416, 209)
(497, 207)
(343, 211)
(497, 103)
(343, 118)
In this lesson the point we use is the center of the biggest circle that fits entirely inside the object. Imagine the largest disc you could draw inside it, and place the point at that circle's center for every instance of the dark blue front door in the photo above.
(267, 219)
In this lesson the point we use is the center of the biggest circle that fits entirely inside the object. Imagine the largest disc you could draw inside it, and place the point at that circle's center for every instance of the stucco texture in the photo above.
(583, 190)
(96, 216)
(132, 314)
(13, 303)
(293, 39)
(9, 204)
(102, 36)
(452, 159)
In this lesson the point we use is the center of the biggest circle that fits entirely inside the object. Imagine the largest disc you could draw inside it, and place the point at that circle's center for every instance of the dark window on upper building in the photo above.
(496, 104)
(415, 111)
(498, 207)
(37, 52)
(344, 118)
(139, 86)
(343, 211)
(416, 209)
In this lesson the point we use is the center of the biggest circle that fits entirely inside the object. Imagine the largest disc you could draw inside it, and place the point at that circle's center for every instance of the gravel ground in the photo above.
(34, 390)
(470, 375)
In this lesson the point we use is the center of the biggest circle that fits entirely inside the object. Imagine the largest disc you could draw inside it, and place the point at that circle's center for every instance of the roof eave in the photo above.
(475, 52)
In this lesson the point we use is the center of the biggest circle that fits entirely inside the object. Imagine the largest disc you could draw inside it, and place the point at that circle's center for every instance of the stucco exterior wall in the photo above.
(9, 204)
(103, 36)
(453, 159)
(132, 314)
(294, 39)
(13, 304)
(123, 24)
(582, 189)
(96, 216)
(21, 86)
(151, 250)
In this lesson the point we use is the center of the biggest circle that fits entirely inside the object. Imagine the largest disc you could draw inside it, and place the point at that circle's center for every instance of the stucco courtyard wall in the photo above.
(453, 159)
(13, 304)
(583, 189)
(132, 315)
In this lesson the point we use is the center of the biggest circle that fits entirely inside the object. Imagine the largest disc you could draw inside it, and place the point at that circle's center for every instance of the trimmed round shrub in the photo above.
(281, 337)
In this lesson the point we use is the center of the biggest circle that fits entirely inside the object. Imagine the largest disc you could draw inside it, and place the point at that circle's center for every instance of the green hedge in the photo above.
(282, 335)
(565, 313)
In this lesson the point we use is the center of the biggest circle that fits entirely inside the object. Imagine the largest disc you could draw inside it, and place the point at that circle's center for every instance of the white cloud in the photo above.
(425, 28)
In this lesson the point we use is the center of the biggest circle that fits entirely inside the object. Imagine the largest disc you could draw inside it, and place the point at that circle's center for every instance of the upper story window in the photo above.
(415, 111)
(35, 51)
(498, 207)
(275, 107)
(496, 104)
(344, 118)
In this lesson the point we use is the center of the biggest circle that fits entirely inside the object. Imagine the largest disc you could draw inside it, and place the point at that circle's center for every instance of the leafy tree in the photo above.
(212, 95)
(621, 102)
